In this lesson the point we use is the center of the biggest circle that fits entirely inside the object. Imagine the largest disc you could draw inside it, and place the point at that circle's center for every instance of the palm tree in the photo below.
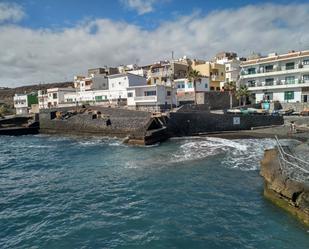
(194, 75)
(242, 94)
(231, 87)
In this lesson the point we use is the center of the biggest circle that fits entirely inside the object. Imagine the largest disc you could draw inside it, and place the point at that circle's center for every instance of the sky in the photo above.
(44, 41)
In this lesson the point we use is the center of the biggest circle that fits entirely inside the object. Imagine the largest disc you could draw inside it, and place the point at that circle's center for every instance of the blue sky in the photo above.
(67, 13)
(52, 40)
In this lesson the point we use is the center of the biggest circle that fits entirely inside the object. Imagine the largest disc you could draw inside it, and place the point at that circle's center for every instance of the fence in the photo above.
(292, 166)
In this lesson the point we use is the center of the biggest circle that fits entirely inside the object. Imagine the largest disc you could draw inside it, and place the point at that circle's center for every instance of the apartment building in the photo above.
(165, 72)
(283, 78)
(232, 66)
(23, 102)
(154, 97)
(214, 71)
(186, 91)
(103, 71)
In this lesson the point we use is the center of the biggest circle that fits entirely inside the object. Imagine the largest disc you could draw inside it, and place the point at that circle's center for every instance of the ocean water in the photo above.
(67, 192)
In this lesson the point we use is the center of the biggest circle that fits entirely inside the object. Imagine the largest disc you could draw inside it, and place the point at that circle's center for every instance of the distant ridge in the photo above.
(6, 94)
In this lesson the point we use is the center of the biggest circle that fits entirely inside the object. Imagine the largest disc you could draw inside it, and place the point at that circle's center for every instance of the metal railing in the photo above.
(291, 165)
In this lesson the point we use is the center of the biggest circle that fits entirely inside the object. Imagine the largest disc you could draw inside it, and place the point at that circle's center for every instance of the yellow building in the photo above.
(215, 72)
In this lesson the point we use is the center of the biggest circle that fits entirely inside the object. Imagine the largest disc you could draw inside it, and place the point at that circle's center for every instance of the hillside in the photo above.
(6, 94)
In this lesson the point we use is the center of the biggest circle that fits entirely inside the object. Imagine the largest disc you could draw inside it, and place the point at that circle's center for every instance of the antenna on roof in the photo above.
(172, 55)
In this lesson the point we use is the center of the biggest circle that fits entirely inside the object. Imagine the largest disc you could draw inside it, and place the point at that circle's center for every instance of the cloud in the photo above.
(141, 6)
(10, 12)
(48, 55)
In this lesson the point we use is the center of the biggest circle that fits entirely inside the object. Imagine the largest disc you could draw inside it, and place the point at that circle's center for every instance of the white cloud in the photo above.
(10, 12)
(141, 6)
(47, 55)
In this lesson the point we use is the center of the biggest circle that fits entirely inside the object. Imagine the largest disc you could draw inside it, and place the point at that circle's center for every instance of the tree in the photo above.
(194, 75)
(3, 110)
(231, 88)
(242, 94)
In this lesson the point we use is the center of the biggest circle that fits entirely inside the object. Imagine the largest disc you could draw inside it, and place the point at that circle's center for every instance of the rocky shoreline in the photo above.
(282, 189)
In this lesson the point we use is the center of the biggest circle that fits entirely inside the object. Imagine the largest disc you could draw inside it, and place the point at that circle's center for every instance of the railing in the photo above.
(281, 69)
(145, 98)
(279, 83)
(291, 165)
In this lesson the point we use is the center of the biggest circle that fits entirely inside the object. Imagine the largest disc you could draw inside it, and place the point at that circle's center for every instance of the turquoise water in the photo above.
(97, 193)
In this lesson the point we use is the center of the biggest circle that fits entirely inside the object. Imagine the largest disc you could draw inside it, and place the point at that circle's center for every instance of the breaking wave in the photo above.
(244, 154)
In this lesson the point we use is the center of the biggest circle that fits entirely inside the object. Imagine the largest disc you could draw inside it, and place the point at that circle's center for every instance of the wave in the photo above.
(244, 154)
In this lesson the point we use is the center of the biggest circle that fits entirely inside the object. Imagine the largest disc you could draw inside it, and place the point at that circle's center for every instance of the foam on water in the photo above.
(98, 193)
(244, 154)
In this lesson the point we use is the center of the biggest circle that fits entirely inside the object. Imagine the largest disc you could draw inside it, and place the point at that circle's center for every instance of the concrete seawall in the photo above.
(194, 123)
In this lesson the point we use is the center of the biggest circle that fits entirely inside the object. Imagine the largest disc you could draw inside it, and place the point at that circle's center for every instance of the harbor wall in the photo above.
(208, 101)
(123, 122)
(297, 107)
(194, 123)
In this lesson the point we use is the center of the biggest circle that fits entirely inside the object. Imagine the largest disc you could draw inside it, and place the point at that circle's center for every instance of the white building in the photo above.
(55, 96)
(283, 78)
(43, 99)
(93, 82)
(118, 84)
(186, 91)
(232, 66)
(105, 90)
(156, 97)
(232, 70)
(23, 102)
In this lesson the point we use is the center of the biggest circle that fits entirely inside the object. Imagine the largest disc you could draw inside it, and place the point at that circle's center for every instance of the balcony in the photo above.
(215, 77)
(163, 73)
(275, 71)
(278, 84)
(145, 99)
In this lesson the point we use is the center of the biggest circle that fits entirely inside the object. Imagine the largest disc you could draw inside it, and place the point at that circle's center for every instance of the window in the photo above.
(98, 98)
(119, 83)
(306, 77)
(227, 80)
(218, 88)
(290, 80)
(306, 62)
(288, 95)
(168, 93)
(190, 85)
(130, 95)
(268, 96)
(182, 85)
(212, 88)
(150, 93)
(251, 71)
(269, 82)
(305, 98)
(269, 68)
(251, 83)
(206, 85)
(227, 69)
(222, 74)
(290, 65)
(54, 95)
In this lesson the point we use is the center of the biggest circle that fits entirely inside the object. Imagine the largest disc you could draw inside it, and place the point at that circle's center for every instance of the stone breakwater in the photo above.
(142, 127)
(282, 189)
(137, 127)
